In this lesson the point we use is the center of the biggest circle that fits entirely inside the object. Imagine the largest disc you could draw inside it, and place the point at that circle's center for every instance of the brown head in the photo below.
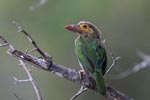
(84, 29)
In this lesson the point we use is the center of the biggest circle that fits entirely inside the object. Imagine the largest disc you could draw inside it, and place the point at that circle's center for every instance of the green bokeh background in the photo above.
(125, 26)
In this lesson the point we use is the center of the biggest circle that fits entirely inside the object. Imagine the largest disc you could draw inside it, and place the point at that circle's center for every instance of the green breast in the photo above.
(86, 53)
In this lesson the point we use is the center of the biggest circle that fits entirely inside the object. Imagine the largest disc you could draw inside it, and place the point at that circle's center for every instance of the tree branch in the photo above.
(64, 72)
(35, 87)
(45, 62)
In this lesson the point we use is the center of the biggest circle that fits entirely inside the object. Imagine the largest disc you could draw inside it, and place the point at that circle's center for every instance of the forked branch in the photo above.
(45, 62)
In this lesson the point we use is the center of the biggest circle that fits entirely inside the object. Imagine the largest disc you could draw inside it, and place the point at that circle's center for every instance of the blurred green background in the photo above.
(125, 26)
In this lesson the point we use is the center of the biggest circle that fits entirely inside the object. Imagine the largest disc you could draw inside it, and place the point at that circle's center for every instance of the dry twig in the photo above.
(142, 65)
(82, 89)
(30, 79)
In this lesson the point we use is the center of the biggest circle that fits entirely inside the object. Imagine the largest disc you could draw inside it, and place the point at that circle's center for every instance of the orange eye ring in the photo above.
(84, 27)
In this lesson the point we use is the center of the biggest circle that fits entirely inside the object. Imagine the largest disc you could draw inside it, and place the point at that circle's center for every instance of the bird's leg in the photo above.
(87, 74)
(81, 72)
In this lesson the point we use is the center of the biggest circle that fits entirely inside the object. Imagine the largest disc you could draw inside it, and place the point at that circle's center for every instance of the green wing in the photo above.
(101, 69)
(101, 58)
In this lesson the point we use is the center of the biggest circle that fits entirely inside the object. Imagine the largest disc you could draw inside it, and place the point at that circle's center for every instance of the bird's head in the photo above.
(84, 29)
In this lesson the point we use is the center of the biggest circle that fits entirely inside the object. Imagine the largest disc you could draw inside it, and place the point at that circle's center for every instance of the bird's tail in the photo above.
(100, 82)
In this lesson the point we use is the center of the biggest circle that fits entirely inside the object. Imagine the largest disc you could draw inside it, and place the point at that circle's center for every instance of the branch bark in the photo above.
(45, 62)
(65, 72)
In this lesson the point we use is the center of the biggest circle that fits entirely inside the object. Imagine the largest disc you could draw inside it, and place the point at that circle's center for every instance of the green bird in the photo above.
(90, 52)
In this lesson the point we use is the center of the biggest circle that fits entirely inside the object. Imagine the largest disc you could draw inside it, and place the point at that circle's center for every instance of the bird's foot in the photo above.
(81, 72)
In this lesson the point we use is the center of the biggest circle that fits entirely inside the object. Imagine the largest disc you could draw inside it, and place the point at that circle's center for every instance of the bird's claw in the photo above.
(81, 72)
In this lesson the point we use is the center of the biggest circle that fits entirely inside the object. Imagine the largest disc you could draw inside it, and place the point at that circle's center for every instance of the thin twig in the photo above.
(114, 59)
(45, 56)
(142, 65)
(37, 91)
(17, 96)
(21, 81)
(82, 89)
(20, 29)
(5, 43)
(3, 39)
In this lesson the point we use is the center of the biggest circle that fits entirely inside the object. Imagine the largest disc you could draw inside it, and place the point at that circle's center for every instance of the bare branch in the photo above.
(20, 81)
(45, 56)
(63, 72)
(20, 29)
(37, 91)
(69, 74)
(17, 96)
(5, 43)
(82, 89)
(142, 65)
(114, 59)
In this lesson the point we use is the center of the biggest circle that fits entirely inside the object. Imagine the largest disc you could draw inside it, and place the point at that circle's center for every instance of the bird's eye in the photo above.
(85, 26)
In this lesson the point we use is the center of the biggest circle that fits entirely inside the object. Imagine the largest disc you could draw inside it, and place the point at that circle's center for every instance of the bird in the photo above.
(90, 52)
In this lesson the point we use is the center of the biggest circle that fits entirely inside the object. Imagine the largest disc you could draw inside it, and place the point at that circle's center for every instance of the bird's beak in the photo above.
(72, 27)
